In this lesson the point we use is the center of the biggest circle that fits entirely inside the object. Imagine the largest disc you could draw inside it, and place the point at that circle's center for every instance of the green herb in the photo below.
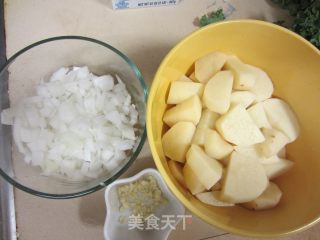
(280, 22)
(212, 17)
(306, 15)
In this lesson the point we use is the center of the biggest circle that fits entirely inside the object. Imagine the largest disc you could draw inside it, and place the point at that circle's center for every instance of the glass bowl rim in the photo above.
(135, 153)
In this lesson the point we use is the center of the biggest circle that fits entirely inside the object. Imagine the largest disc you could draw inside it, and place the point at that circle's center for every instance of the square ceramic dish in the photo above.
(115, 230)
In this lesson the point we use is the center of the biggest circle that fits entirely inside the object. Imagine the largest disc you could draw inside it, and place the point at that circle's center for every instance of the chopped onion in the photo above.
(77, 126)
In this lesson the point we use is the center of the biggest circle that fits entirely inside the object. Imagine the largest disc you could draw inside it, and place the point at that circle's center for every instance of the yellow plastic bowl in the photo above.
(294, 66)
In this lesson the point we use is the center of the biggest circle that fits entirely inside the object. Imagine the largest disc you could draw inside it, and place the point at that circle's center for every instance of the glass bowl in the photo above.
(38, 61)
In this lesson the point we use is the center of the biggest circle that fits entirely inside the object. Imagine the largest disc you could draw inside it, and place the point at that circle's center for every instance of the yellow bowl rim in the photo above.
(157, 160)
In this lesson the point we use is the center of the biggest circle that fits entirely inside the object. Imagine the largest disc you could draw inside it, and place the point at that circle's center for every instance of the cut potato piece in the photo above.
(182, 90)
(193, 77)
(245, 98)
(215, 146)
(188, 111)
(183, 78)
(176, 141)
(270, 160)
(208, 65)
(207, 169)
(281, 117)
(263, 87)
(282, 153)
(268, 199)
(251, 151)
(213, 199)
(207, 120)
(255, 152)
(176, 170)
(192, 181)
(244, 78)
(199, 136)
(259, 116)
(276, 169)
(217, 92)
(245, 179)
(275, 141)
(238, 128)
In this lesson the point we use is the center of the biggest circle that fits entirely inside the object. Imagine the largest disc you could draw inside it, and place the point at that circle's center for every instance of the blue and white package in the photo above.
(125, 4)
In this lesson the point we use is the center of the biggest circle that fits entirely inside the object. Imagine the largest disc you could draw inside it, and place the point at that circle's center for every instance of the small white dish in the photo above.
(115, 230)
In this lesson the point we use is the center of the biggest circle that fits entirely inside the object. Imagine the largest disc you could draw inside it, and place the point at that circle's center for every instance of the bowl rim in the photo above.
(134, 156)
(152, 144)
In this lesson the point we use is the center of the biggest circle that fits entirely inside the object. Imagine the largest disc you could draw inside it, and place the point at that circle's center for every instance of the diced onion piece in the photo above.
(105, 83)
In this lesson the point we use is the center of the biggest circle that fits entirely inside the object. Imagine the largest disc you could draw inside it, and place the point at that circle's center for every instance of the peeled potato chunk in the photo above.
(268, 199)
(245, 98)
(199, 136)
(238, 128)
(269, 160)
(207, 169)
(251, 151)
(183, 78)
(275, 169)
(193, 77)
(273, 143)
(244, 78)
(176, 141)
(208, 65)
(213, 199)
(215, 146)
(259, 116)
(208, 120)
(189, 111)
(263, 86)
(176, 170)
(192, 181)
(255, 152)
(217, 92)
(182, 90)
(282, 117)
(245, 179)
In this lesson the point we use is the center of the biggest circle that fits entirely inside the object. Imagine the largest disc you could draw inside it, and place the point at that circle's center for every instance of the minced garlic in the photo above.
(141, 197)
